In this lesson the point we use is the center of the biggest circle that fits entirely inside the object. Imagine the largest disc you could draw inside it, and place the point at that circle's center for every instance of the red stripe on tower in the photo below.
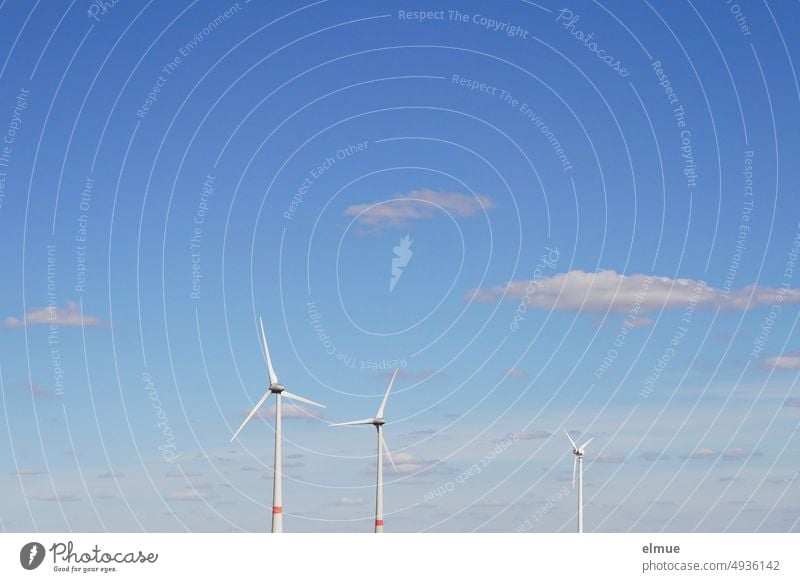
(277, 509)
(378, 522)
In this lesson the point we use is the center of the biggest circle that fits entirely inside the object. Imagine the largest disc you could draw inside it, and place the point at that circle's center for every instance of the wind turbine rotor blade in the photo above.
(354, 422)
(386, 396)
(388, 454)
(273, 377)
(252, 413)
(291, 396)
(572, 442)
(583, 446)
(574, 469)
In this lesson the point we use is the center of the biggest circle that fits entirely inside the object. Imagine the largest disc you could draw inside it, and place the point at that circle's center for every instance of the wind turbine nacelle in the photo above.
(378, 422)
(277, 388)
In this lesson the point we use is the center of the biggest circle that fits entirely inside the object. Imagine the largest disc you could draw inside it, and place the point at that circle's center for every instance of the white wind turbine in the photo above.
(577, 466)
(378, 422)
(279, 391)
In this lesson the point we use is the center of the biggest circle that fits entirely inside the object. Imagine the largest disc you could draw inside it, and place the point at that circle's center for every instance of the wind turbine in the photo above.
(280, 392)
(577, 466)
(378, 422)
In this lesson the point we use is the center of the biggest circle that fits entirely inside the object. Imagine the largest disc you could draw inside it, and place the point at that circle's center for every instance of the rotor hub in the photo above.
(276, 388)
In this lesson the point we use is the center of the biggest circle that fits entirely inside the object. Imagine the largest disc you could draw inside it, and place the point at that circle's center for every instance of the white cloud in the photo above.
(784, 361)
(703, 454)
(422, 204)
(37, 391)
(288, 410)
(64, 316)
(530, 435)
(344, 500)
(607, 290)
(736, 453)
(516, 373)
(406, 463)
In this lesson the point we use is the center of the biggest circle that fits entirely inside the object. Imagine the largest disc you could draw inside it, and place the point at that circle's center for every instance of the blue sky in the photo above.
(601, 204)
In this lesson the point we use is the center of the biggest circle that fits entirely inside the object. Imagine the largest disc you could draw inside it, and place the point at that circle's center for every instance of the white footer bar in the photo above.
(401, 557)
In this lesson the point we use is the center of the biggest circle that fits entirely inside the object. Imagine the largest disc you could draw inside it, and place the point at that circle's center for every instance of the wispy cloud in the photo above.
(608, 290)
(782, 480)
(737, 453)
(37, 391)
(789, 361)
(288, 410)
(346, 501)
(422, 204)
(516, 373)
(703, 454)
(64, 316)
(532, 435)
(407, 463)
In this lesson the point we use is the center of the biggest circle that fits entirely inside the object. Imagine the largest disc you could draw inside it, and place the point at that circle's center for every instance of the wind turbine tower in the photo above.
(577, 467)
(280, 392)
(378, 423)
